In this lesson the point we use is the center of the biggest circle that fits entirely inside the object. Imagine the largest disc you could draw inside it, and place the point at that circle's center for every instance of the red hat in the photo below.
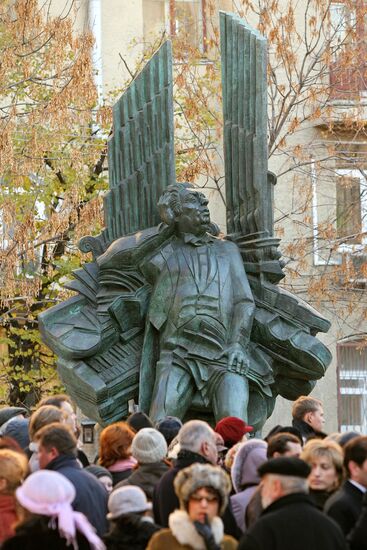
(232, 429)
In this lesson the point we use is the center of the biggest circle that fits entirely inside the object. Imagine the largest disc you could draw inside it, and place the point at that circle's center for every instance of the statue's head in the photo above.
(184, 205)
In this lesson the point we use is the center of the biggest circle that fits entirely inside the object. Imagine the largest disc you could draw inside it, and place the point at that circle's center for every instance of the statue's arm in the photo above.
(242, 316)
(151, 245)
(243, 302)
(135, 250)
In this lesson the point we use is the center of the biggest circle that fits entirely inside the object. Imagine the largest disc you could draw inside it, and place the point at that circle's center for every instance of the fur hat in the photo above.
(197, 476)
(149, 446)
(232, 429)
(6, 413)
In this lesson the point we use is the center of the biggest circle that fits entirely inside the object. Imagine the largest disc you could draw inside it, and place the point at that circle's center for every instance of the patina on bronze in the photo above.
(168, 314)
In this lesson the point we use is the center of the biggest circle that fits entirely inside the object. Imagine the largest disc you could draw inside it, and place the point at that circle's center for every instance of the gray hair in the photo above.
(193, 434)
(292, 484)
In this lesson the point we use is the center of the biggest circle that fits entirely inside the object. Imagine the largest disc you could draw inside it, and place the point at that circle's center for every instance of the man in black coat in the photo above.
(308, 417)
(290, 520)
(197, 444)
(345, 505)
(57, 451)
(357, 537)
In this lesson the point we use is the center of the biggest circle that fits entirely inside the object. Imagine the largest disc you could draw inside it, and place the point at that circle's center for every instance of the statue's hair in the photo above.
(169, 204)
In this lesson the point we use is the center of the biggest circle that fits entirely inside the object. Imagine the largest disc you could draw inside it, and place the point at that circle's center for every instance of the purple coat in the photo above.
(245, 478)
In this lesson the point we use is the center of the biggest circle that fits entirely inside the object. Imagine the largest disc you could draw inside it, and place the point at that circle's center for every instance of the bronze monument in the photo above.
(168, 314)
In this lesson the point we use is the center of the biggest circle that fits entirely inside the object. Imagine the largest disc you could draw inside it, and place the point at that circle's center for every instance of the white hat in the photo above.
(127, 500)
(149, 446)
(51, 494)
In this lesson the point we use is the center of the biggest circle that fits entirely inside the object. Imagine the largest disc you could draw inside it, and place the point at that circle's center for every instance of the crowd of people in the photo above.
(180, 485)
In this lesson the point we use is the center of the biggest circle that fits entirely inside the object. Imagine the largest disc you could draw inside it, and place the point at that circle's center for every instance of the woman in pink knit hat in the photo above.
(49, 520)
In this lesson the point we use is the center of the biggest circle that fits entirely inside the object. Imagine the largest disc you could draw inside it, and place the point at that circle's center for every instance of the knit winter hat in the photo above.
(196, 476)
(149, 446)
(6, 413)
(18, 430)
(232, 429)
(169, 427)
(49, 493)
(127, 500)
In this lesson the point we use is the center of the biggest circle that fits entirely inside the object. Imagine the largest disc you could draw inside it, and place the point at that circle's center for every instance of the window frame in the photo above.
(353, 173)
(360, 390)
(202, 23)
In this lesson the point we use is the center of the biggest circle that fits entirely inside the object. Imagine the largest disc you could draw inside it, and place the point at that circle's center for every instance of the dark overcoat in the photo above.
(293, 523)
(344, 506)
(91, 497)
(35, 534)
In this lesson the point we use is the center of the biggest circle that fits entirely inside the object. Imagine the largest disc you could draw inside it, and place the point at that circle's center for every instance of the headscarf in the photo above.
(49, 493)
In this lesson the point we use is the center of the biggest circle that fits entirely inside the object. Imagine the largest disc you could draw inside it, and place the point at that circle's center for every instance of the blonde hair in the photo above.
(322, 447)
(13, 468)
(44, 415)
(304, 405)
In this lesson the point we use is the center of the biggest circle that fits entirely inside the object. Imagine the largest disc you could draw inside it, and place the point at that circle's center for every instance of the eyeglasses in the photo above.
(208, 498)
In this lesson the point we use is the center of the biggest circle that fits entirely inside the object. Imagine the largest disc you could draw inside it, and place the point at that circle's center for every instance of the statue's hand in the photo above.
(237, 359)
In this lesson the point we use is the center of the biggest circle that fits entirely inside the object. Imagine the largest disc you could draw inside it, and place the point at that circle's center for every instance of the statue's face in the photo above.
(195, 216)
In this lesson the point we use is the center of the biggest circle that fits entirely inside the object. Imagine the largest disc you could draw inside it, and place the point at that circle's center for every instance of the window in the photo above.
(187, 20)
(352, 382)
(351, 205)
(348, 73)
(342, 23)
(181, 18)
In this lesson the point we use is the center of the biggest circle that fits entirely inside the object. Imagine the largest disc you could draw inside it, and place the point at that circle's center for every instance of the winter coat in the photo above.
(293, 522)
(245, 478)
(8, 516)
(319, 498)
(91, 497)
(131, 532)
(165, 500)
(35, 534)
(254, 508)
(183, 535)
(122, 469)
(344, 506)
(306, 430)
(357, 537)
(146, 476)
